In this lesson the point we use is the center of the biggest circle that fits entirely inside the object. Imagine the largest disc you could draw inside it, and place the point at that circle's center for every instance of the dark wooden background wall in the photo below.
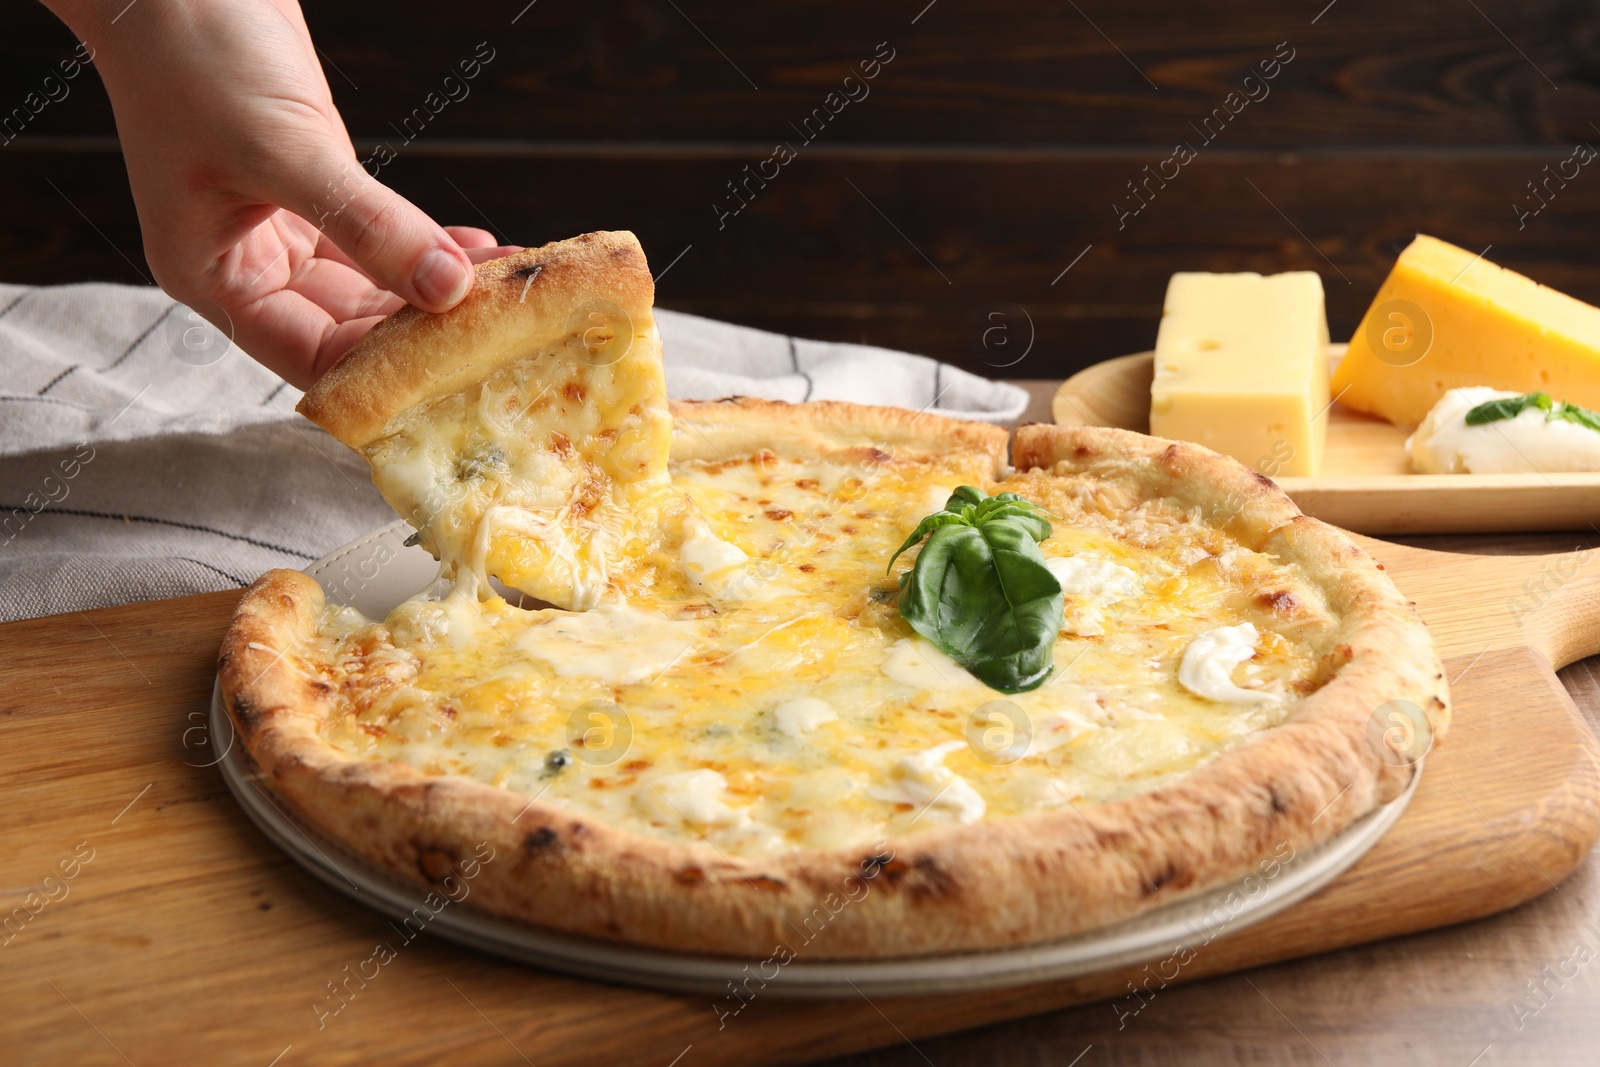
(986, 159)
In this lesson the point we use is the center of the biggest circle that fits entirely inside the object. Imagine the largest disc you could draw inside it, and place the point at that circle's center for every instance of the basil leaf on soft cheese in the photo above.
(980, 590)
(1511, 407)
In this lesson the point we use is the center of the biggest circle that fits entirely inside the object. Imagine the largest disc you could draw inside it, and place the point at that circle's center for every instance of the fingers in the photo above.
(470, 237)
(294, 337)
(483, 255)
(341, 290)
(385, 236)
(478, 244)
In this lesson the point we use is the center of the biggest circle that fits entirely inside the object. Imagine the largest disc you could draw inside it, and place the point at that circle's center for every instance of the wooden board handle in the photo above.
(1559, 606)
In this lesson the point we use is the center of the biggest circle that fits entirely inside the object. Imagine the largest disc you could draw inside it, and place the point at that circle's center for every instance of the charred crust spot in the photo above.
(321, 686)
(779, 514)
(1262, 479)
(245, 712)
(877, 455)
(560, 444)
(689, 876)
(1082, 451)
(807, 567)
(922, 877)
(1169, 875)
(528, 270)
(1278, 601)
(435, 863)
(874, 864)
(575, 392)
(543, 839)
(1276, 802)
(930, 881)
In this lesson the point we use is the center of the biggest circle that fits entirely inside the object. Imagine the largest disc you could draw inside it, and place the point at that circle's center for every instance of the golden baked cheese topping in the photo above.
(745, 678)
(540, 472)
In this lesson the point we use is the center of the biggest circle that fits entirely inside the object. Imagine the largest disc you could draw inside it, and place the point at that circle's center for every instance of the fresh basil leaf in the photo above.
(964, 495)
(924, 528)
(1508, 408)
(1512, 406)
(1575, 414)
(983, 595)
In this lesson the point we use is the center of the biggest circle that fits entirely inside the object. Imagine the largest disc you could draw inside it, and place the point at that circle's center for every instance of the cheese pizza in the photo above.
(697, 671)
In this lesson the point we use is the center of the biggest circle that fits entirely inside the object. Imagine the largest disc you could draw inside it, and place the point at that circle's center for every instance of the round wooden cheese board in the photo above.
(1366, 484)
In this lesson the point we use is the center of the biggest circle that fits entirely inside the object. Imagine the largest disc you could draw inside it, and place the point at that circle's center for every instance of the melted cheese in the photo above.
(796, 718)
(540, 474)
(760, 722)
(924, 781)
(615, 643)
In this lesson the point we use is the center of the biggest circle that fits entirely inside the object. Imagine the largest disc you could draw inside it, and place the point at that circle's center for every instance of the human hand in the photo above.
(253, 207)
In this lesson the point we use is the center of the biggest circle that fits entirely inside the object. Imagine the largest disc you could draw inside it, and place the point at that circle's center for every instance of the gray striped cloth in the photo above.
(142, 456)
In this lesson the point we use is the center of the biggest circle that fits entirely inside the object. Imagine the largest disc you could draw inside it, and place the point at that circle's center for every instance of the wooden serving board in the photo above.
(187, 938)
(1366, 483)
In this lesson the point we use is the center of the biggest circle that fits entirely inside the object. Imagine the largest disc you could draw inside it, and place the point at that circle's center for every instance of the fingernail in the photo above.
(440, 278)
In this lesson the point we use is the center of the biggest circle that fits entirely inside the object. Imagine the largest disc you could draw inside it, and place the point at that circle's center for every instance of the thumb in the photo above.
(387, 236)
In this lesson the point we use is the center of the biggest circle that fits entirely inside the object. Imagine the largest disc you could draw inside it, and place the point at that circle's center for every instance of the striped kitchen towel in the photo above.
(142, 456)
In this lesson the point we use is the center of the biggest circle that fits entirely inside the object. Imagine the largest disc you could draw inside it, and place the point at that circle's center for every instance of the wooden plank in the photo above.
(926, 252)
(188, 939)
(1009, 72)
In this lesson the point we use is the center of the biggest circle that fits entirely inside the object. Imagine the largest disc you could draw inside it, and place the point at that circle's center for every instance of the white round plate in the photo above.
(377, 572)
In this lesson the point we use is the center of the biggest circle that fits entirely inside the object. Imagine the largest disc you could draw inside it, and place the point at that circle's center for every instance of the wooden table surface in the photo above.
(1522, 987)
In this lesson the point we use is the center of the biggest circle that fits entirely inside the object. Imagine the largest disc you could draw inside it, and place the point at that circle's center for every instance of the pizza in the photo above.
(719, 676)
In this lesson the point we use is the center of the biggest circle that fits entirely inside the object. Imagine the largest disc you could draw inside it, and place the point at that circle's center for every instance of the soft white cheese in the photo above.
(934, 498)
(924, 780)
(708, 561)
(1208, 663)
(694, 797)
(613, 643)
(916, 663)
(1099, 579)
(1528, 443)
(1095, 584)
(798, 717)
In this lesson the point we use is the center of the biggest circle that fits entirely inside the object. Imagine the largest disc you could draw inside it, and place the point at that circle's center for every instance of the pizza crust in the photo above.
(982, 885)
(521, 303)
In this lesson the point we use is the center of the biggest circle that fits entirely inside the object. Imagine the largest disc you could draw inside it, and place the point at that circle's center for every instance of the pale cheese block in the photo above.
(1447, 318)
(1242, 367)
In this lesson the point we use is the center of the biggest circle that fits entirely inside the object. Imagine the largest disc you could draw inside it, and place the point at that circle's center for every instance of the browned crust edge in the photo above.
(712, 430)
(984, 885)
(517, 304)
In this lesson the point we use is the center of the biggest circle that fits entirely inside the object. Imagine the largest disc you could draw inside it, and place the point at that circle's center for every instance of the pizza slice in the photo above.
(524, 435)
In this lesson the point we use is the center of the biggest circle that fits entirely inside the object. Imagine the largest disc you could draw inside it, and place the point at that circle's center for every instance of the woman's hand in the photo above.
(253, 207)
